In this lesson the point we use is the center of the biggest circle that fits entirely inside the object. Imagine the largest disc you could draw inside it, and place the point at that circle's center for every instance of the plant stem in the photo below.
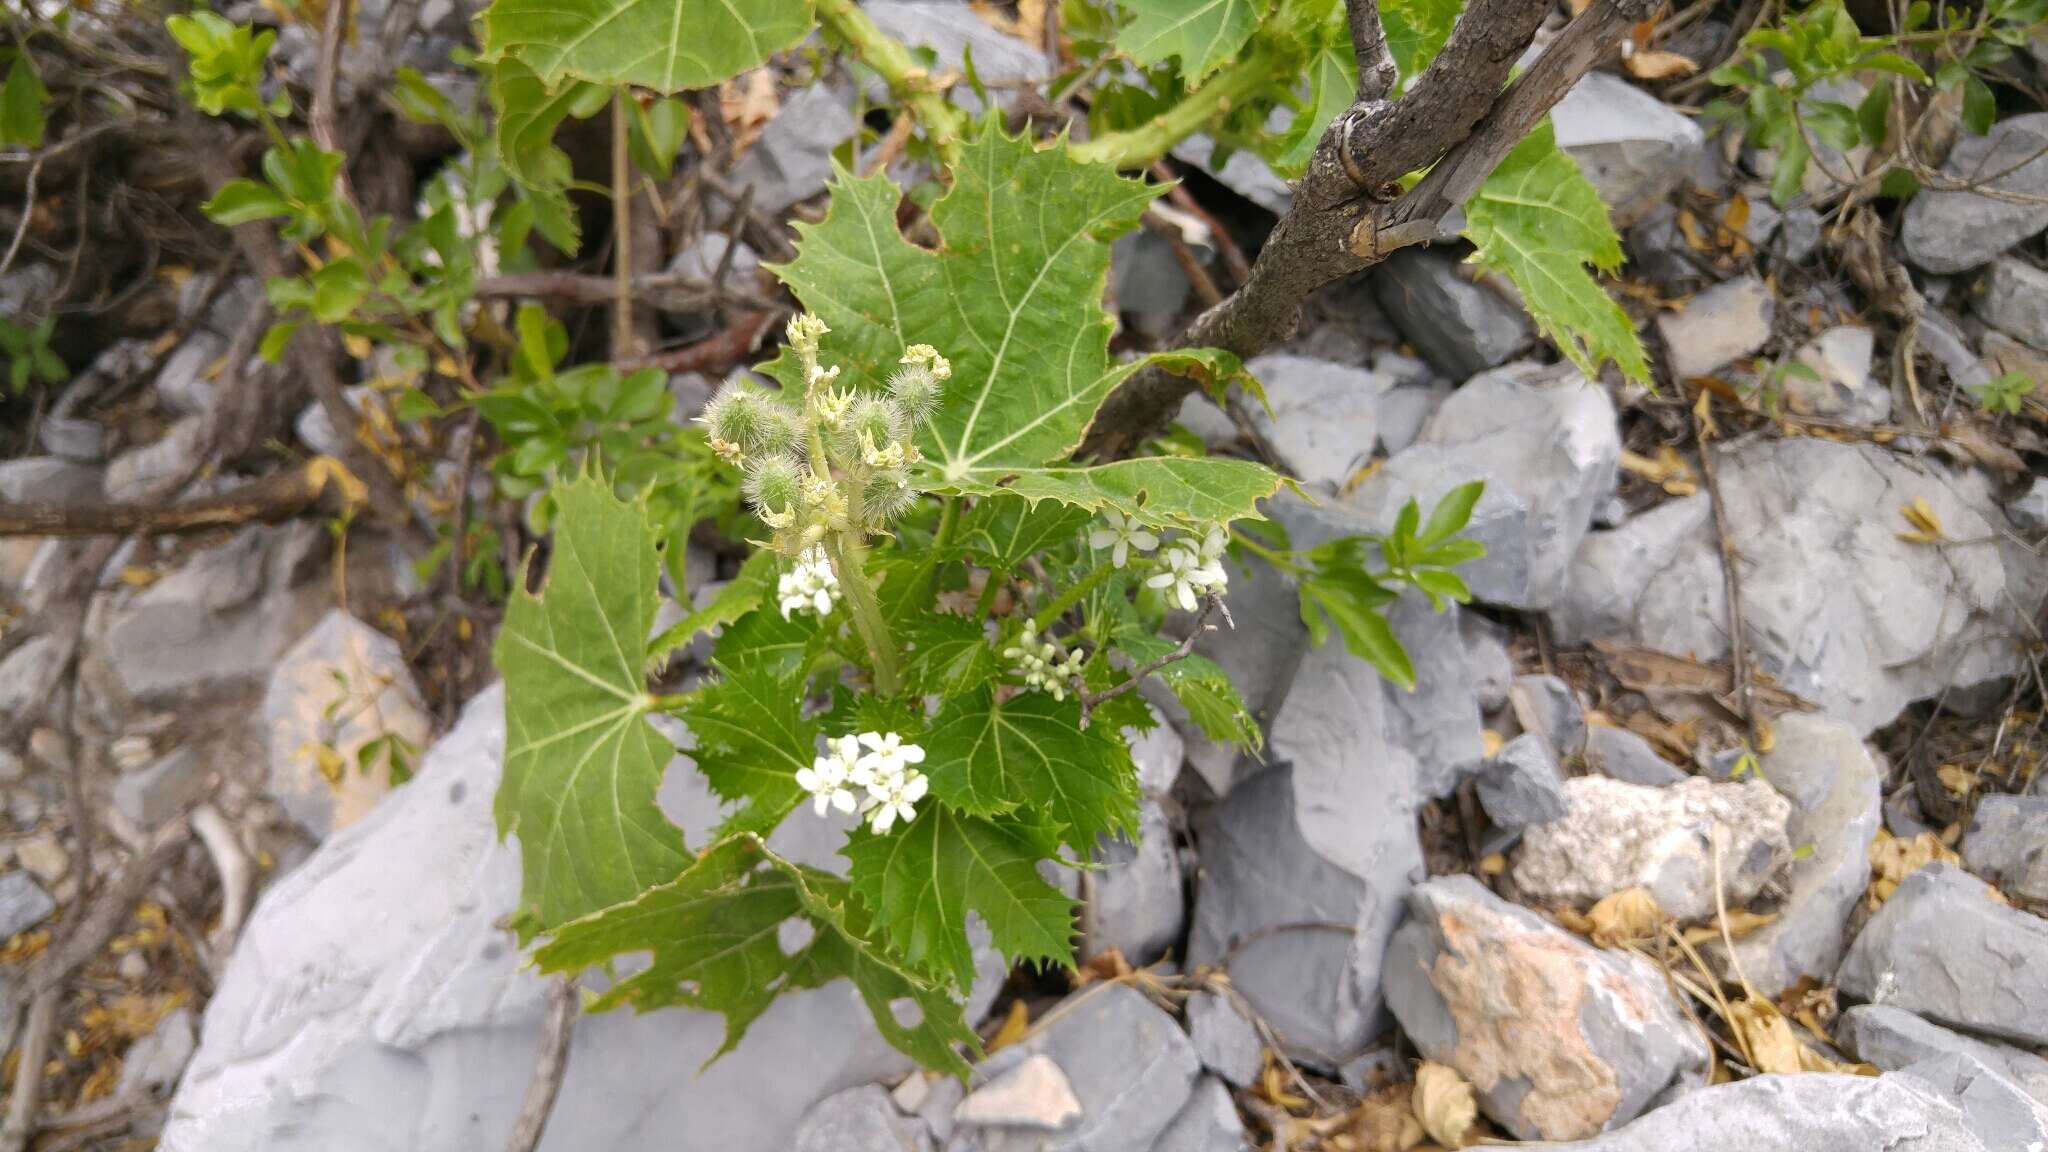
(1139, 147)
(1278, 560)
(948, 515)
(907, 79)
(1070, 597)
(848, 556)
(622, 232)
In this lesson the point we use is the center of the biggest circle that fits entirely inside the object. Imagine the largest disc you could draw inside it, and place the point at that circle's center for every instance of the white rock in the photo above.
(1322, 426)
(374, 1002)
(1034, 1094)
(1631, 145)
(1840, 357)
(28, 675)
(1717, 327)
(340, 687)
(1616, 835)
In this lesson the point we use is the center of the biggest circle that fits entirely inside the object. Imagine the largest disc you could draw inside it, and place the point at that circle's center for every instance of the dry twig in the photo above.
(550, 1065)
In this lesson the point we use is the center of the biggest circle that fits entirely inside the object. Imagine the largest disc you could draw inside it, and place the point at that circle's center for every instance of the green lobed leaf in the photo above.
(1012, 296)
(1163, 491)
(920, 881)
(582, 764)
(1203, 688)
(1202, 34)
(753, 587)
(1416, 31)
(1538, 221)
(751, 740)
(666, 45)
(1332, 73)
(1003, 530)
(948, 655)
(1030, 752)
(715, 935)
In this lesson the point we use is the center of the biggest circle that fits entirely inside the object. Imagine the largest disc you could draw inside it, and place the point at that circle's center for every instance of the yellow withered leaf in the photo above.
(1926, 525)
(1014, 1026)
(1444, 1104)
(1630, 914)
(1385, 1121)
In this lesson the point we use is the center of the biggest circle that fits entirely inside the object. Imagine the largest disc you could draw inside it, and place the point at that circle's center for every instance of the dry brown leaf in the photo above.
(1108, 964)
(1028, 25)
(1813, 1006)
(1741, 922)
(1015, 1025)
(1490, 743)
(1667, 469)
(1765, 1034)
(747, 103)
(1958, 779)
(1273, 1086)
(1630, 914)
(1695, 236)
(1573, 920)
(1648, 670)
(1926, 525)
(1659, 65)
(1492, 864)
(1385, 1122)
(1893, 859)
(1703, 409)
(1444, 1103)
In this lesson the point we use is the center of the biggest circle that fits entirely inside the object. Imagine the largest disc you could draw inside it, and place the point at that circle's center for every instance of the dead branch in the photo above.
(1089, 700)
(550, 1066)
(1349, 213)
(1731, 571)
(320, 483)
(713, 355)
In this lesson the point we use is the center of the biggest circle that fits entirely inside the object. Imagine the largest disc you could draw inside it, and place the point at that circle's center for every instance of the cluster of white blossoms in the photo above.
(1193, 568)
(809, 587)
(1040, 664)
(883, 772)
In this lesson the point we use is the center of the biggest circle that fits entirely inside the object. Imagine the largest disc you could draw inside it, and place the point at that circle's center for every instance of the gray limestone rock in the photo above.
(28, 675)
(2014, 300)
(343, 686)
(950, 31)
(1547, 706)
(1841, 386)
(1544, 441)
(1625, 756)
(1717, 327)
(1892, 1039)
(1559, 1039)
(859, 1120)
(1953, 231)
(2030, 512)
(1208, 1123)
(48, 480)
(1137, 902)
(792, 159)
(1227, 1043)
(2007, 844)
(1322, 426)
(1997, 1112)
(1825, 770)
(1633, 147)
(1944, 946)
(1463, 326)
(1836, 607)
(24, 904)
(1243, 173)
(75, 439)
(1486, 654)
(143, 472)
(374, 1001)
(1523, 786)
(185, 382)
(159, 791)
(1033, 1093)
(1129, 1065)
(1807, 1112)
(1616, 836)
(154, 1063)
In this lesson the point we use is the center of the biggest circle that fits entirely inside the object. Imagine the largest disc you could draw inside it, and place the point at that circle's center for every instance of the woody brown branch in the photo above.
(1349, 213)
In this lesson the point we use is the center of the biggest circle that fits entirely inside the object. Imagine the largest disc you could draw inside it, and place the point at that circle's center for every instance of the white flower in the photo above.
(1183, 578)
(893, 800)
(888, 755)
(828, 776)
(1125, 532)
(809, 587)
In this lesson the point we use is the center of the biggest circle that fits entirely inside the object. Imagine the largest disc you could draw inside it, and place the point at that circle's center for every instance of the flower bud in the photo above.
(803, 333)
(886, 497)
(916, 389)
(774, 484)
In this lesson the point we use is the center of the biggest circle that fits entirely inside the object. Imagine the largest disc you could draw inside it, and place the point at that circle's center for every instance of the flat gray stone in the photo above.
(23, 904)
(1944, 946)
(1560, 1040)
(1806, 1112)
(154, 1063)
(1893, 1038)
(2030, 512)
(1836, 607)
(2014, 300)
(1632, 146)
(1841, 386)
(1243, 173)
(48, 480)
(28, 675)
(1033, 1093)
(1461, 325)
(1824, 769)
(374, 1001)
(184, 383)
(1523, 786)
(156, 469)
(1227, 1043)
(2007, 844)
(859, 1120)
(1137, 901)
(1995, 1110)
(792, 158)
(1717, 327)
(161, 790)
(70, 438)
(1547, 706)
(1953, 231)
(1544, 441)
(1622, 755)
(1322, 426)
(1209, 1123)
(1616, 836)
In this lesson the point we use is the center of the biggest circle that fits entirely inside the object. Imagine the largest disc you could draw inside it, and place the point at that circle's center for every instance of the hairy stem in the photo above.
(907, 79)
(848, 557)
(622, 233)
(1139, 147)
(1070, 597)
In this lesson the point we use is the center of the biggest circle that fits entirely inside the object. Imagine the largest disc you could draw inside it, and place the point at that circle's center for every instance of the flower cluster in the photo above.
(1194, 570)
(883, 772)
(834, 459)
(1040, 663)
(809, 587)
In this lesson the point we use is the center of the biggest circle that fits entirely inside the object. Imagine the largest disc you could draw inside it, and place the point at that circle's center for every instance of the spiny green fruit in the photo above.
(885, 497)
(743, 415)
(916, 389)
(873, 423)
(774, 484)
